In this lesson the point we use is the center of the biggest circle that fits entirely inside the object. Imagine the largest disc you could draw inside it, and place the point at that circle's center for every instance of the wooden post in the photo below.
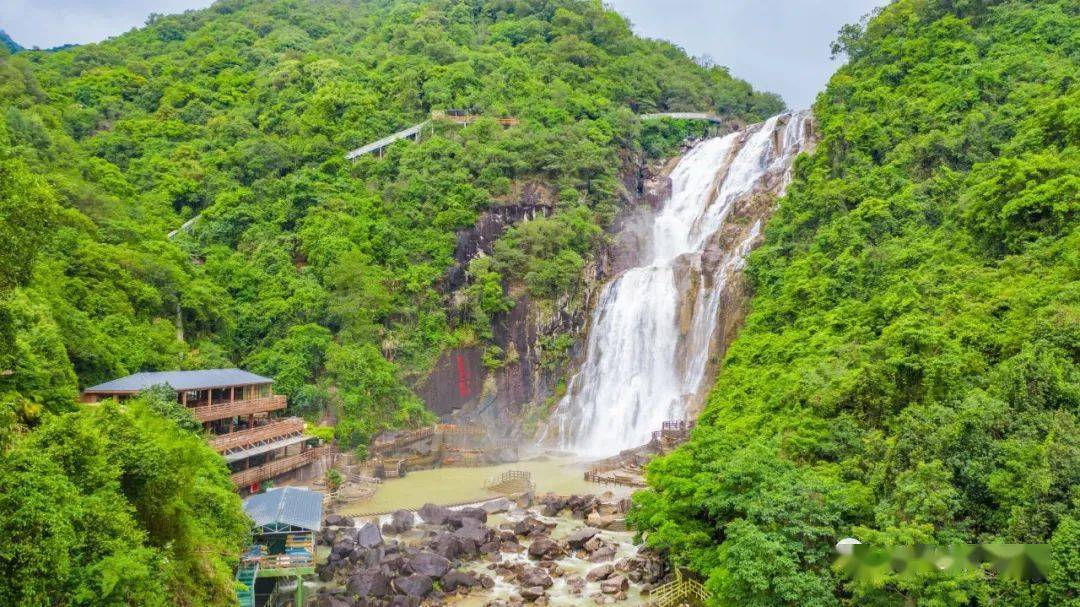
(232, 394)
(210, 398)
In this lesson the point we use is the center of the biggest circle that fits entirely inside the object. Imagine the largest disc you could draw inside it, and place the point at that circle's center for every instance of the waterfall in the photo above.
(652, 331)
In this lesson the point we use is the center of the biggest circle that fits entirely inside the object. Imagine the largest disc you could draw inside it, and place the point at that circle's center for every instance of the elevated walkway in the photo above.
(684, 116)
(462, 117)
(377, 146)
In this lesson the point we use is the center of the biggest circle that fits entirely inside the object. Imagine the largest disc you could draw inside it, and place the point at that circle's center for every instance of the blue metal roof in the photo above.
(287, 506)
(181, 380)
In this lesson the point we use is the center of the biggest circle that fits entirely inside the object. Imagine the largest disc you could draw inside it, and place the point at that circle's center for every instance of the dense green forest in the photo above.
(909, 370)
(324, 274)
(301, 265)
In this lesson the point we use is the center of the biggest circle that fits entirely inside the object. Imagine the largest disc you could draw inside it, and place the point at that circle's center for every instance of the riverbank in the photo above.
(550, 474)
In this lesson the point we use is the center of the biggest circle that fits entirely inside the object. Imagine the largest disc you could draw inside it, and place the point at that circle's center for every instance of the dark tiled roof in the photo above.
(287, 506)
(181, 380)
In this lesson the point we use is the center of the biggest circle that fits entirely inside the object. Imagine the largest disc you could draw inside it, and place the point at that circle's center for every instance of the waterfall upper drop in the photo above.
(653, 331)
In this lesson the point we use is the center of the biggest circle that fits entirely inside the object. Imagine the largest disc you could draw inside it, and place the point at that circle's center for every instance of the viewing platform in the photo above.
(277, 467)
(224, 410)
(237, 410)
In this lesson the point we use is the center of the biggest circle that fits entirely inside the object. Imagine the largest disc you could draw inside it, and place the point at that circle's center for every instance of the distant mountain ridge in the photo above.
(11, 45)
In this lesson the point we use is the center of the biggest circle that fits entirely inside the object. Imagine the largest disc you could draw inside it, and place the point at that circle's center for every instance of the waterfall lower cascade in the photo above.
(654, 328)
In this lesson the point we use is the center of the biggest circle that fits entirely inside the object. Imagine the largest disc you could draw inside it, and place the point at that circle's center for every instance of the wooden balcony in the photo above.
(278, 467)
(250, 436)
(236, 408)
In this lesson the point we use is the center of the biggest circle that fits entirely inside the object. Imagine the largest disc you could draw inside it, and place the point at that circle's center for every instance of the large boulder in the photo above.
(577, 538)
(429, 564)
(341, 550)
(553, 504)
(544, 549)
(614, 584)
(369, 536)
(599, 573)
(475, 531)
(448, 546)
(418, 586)
(368, 583)
(334, 520)
(403, 601)
(535, 576)
(496, 506)
(532, 593)
(400, 522)
(603, 553)
(531, 527)
(453, 580)
(459, 518)
(433, 514)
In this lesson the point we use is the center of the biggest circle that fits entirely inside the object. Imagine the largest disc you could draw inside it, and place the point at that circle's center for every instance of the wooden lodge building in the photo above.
(241, 415)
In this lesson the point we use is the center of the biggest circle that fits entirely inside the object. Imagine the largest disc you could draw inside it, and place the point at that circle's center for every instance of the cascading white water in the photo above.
(653, 327)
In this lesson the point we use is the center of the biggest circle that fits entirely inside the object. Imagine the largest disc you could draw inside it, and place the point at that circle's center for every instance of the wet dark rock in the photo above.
(368, 583)
(475, 531)
(453, 580)
(599, 573)
(429, 564)
(532, 527)
(400, 522)
(578, 537)
(458, 518)
(404, 601)
(433, 514)
(490, 547)
(342, 549)
(614, 584)
(604, 553)
(544, 549)
(496, 506)
(369, 536)
(487, 582)
(535, 576)
(448, 545)
(532, 593)
(334, 520)
(415, 585)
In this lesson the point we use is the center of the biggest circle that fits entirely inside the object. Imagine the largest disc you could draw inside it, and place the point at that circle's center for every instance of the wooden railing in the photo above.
(278, 467)
(243, 438)
(681, 591)
(225, 410)
(511, 481)
(592, 476)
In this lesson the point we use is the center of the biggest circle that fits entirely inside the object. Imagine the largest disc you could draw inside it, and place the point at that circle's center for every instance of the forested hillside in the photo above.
(303, 266)
(909, 371)
(321, 273)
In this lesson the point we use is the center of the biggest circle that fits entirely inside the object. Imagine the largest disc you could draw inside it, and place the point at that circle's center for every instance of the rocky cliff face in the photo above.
(516, 398)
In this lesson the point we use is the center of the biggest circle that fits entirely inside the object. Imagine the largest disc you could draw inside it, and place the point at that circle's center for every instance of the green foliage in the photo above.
(161, 400)
(327, 275)
(112, 506)
(909, 371)
(239, 116)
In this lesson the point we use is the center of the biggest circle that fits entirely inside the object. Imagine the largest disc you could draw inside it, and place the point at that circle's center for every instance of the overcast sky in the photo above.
(777, 45)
